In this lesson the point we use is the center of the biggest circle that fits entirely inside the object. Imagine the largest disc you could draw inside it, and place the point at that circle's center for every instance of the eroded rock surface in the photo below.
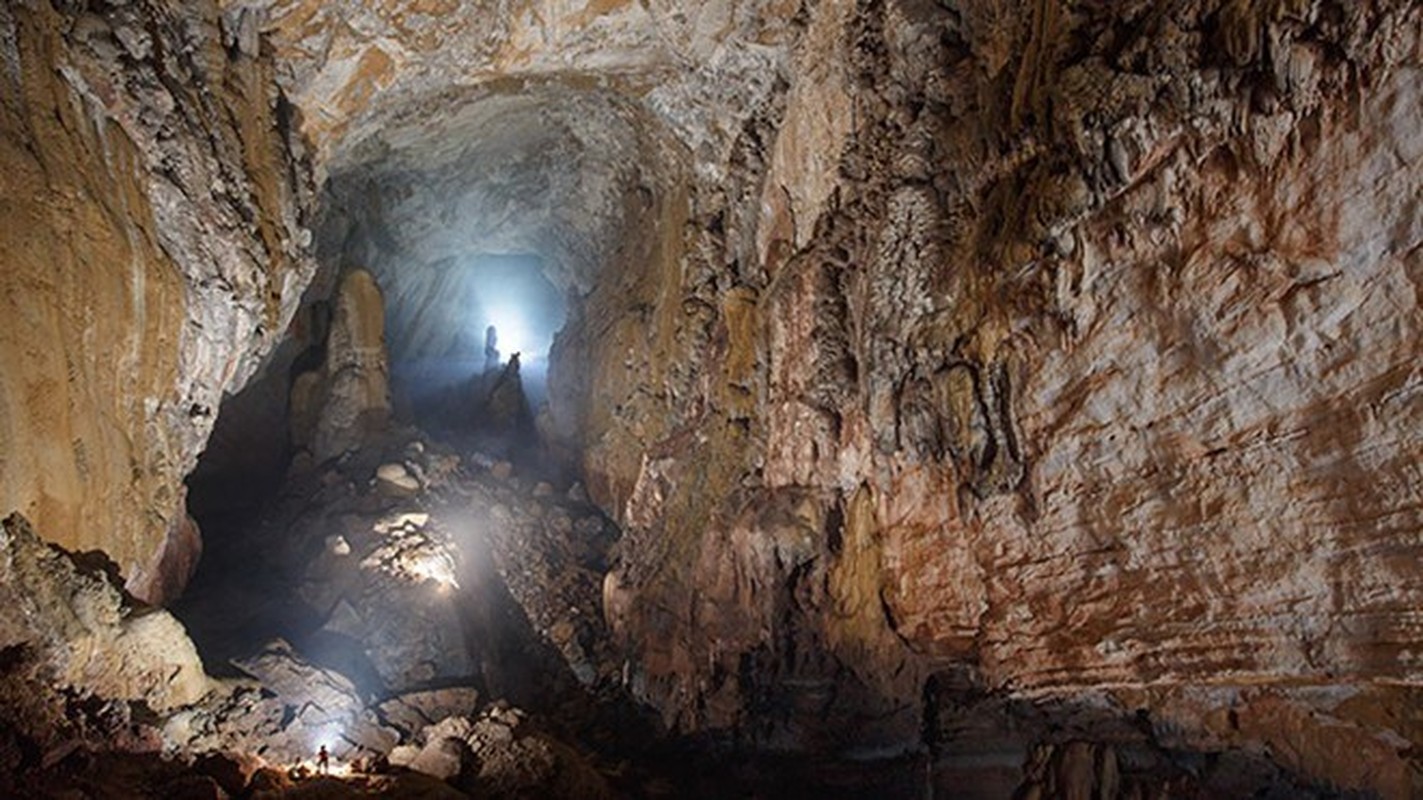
(1062, 347)
(346, 400)
(152, 249)
(69, 636)
(1093, 365)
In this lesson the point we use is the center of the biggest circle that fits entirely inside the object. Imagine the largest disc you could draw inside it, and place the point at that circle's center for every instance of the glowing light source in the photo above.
(416, 558)
(436, 565)
(514, 333)
(329, 738)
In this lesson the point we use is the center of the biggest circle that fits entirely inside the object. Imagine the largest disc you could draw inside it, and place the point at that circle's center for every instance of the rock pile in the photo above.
(76, 650)
(498, 754)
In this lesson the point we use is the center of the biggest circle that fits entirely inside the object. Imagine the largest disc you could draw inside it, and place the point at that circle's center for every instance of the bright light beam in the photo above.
(514, 334)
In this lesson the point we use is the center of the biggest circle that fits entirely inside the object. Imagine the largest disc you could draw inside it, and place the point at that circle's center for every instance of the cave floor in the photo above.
(463, 574)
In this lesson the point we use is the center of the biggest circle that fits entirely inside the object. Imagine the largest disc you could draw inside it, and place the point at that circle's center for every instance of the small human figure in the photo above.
(323, 761)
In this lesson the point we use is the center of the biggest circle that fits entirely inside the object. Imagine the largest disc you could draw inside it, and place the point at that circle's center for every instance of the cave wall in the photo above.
(1074, 348)
(152, 249)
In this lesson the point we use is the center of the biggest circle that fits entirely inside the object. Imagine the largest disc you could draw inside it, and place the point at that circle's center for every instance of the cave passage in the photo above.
(718, 399)
(506, 293)
(395, 505)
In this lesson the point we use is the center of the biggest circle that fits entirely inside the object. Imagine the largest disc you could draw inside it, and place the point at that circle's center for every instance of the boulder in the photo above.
(231, 770)
(413, 711)
(395, 480)
(73, 631)
(319, 695)
(446, 752)
(270, 780)
(163, 579)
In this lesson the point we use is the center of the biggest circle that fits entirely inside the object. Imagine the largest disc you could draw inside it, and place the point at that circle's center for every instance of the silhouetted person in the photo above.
(323, 761)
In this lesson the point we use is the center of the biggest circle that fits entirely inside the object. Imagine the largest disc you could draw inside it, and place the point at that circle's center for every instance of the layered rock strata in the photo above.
(152, 249)
(1079, 352)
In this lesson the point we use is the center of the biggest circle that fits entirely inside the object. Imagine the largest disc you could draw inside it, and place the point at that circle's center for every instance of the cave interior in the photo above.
(750, 398)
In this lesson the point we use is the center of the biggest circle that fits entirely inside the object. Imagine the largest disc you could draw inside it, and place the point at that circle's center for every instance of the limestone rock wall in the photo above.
(1076, 347)
(152, 249)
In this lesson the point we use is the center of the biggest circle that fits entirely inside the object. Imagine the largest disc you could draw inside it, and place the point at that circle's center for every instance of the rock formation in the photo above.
(68, 633)
(345, 401)
(152, 248)
(163, 579)
(1042, 374)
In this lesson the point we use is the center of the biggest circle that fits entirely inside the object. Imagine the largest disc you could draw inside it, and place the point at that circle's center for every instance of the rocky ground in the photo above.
(419, 608)
(389, 606)
(432, 616)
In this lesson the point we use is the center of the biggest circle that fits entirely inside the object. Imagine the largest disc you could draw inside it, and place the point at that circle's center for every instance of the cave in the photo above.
(887, 399)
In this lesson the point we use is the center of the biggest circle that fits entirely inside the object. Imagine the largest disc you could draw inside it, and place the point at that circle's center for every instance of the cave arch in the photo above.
(450, 198)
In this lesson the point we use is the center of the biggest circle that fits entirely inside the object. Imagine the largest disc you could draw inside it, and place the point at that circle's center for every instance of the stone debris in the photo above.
(395, 480)
(497, 755)
(405, 522)
(416, 557)
(319, 695)
(68, 628)
(1064, 349)
(413, 711)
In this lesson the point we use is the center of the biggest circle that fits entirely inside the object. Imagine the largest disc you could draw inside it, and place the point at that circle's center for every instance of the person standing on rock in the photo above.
(323, 761)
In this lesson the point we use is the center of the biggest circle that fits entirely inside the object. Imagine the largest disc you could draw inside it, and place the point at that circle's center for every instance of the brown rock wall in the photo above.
(1111, 313)
(150, 253)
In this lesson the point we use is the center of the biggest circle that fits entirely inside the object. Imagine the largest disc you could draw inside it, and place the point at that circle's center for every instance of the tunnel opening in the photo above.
(513, 214)
(512, 314)
(398, 499)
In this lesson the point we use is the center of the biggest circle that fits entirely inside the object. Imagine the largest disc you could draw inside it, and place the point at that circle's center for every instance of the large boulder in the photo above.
(289, 710)
(412, 711)
(68, 628)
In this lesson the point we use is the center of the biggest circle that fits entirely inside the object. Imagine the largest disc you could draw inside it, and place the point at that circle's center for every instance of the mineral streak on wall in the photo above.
(152, 250)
